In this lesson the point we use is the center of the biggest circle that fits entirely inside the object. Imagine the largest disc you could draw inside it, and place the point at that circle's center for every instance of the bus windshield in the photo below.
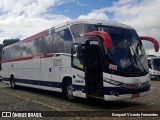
(127, 56)
(156, 64)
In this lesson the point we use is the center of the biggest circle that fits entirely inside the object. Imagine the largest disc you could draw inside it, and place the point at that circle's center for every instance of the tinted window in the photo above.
(25, 50)
(149, 63)
(46, 44)
(127, 51)
(79, 29)
(13, 52)
(17, 51)
(7, 54)
(28, 49)
(36, 47)
(156, 63)
(62, 41)
(58, 42)
(67, 41)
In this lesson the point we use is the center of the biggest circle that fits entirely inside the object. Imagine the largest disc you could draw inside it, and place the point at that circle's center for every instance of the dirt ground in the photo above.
(54, 104)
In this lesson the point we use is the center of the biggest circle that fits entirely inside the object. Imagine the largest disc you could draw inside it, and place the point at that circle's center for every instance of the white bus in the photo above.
(154, 67)
(81, 58)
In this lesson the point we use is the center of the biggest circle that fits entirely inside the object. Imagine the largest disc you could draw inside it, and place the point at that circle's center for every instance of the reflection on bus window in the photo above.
(77, 60)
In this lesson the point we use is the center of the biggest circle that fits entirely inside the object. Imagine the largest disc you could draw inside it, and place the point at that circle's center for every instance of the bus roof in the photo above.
(96, 21)
(87, 21)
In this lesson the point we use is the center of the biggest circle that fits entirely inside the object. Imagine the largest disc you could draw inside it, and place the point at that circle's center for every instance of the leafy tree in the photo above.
(1, 47)
(7, 42)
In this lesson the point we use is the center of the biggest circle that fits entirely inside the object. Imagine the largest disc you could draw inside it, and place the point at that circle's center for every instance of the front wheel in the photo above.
(69, 91)
(12, 83)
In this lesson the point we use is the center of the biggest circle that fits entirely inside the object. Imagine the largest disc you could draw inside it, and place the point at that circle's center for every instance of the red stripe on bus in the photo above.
(46, 56)
(28, 58)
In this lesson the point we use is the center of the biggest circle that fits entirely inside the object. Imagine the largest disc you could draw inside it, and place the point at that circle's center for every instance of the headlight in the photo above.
(113, 82)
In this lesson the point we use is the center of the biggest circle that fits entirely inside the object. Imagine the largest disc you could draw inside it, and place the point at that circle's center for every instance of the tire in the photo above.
(12, 83)
(69, 91)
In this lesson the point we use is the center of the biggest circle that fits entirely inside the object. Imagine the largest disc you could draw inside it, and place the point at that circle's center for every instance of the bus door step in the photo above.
(97, 93)
(96, 96)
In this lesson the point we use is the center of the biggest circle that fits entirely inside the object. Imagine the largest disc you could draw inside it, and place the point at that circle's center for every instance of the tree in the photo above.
(7, 42)
(1, 47)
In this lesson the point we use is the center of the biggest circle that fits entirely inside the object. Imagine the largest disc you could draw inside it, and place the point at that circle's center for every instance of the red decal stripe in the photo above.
(28, 58)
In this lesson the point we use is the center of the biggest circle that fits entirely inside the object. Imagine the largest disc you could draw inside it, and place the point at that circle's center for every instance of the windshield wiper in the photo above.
(137, 58)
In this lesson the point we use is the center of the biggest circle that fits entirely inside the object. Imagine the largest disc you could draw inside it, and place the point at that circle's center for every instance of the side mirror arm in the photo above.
(154, 41)
(104, 35)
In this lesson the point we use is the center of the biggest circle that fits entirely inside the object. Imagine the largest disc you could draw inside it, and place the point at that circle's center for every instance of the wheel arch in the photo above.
(65, 80)
(12, 75)
(12, 81)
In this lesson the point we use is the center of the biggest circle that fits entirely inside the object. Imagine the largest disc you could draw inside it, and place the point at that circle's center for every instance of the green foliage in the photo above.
(7, 42)
(1, 47)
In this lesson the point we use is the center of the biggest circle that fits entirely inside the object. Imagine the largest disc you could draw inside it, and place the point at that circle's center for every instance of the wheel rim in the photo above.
(70, 92)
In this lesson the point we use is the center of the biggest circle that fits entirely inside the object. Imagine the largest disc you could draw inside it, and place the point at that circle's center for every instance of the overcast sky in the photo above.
(22, 18)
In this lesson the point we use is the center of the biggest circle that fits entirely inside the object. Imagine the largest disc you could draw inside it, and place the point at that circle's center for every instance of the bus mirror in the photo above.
(104, 35)
(154, 41)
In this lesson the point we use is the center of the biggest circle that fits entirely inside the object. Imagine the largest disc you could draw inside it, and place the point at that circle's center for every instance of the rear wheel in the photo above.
(69, 91)
(12, 83)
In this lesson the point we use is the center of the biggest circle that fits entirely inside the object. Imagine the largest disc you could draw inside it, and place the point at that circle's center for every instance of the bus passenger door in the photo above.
(93, 70)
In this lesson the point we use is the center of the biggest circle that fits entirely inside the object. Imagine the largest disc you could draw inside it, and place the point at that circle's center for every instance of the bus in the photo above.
(81, 58)
(154, 67)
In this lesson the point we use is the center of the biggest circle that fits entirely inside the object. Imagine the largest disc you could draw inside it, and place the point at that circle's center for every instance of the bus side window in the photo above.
(46, 44)
(58, 42)
(18, 51)
(149, 63)
(67, 41)
(29, 51)
(62, 41)
(67, 35)
(4, 55)
(8, 53)
(36, 47)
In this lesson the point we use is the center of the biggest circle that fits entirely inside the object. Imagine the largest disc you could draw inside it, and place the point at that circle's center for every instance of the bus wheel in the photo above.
(12, 83)
(69, 91)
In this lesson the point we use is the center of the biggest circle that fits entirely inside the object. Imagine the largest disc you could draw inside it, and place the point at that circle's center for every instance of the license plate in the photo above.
(135, 95)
